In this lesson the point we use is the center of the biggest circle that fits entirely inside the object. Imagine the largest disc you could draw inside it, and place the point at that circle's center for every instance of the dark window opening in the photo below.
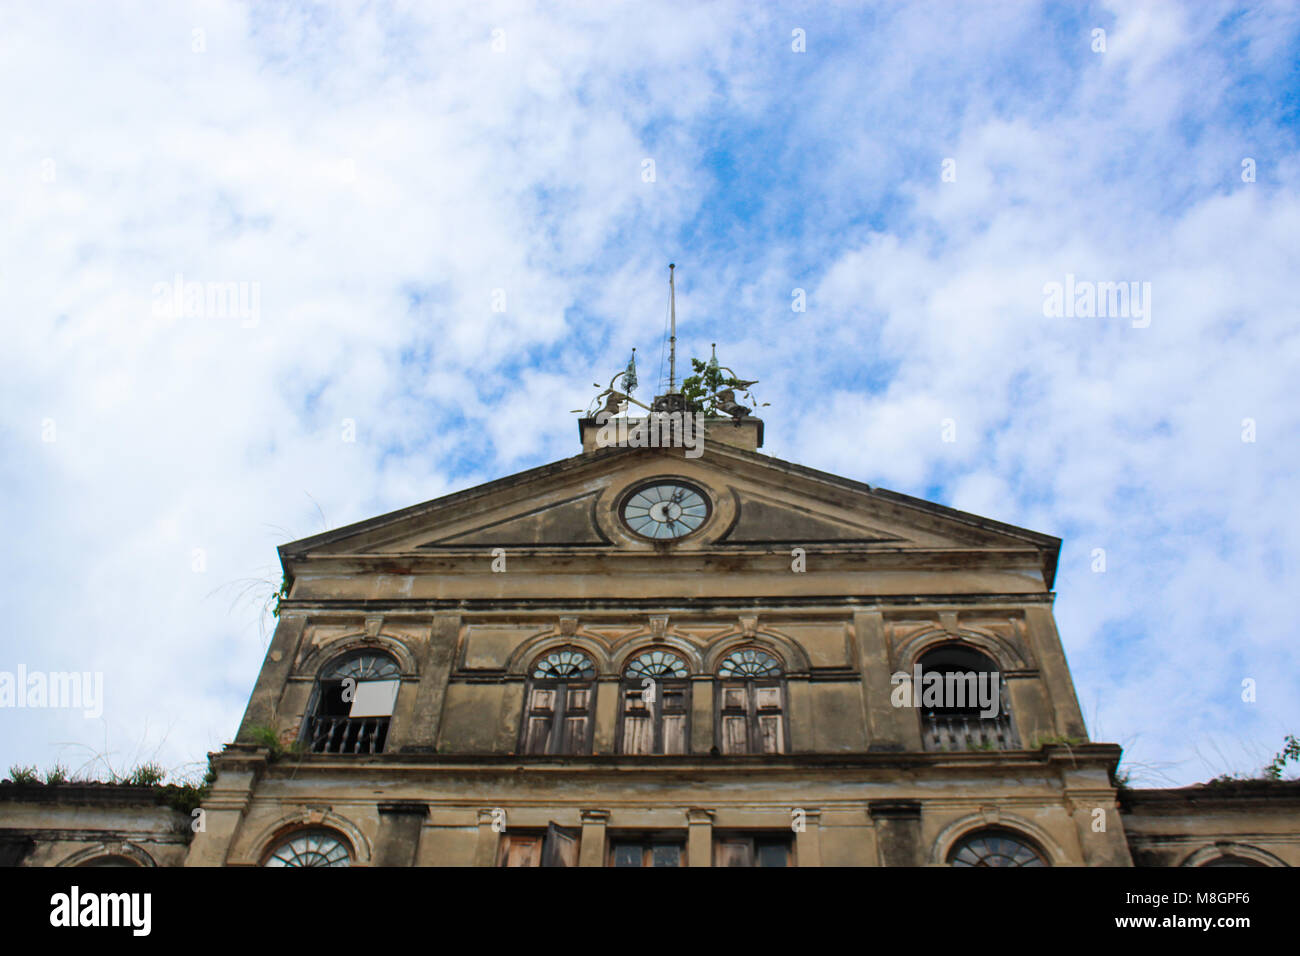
(957, 721)
(354, 705)
(663, 851)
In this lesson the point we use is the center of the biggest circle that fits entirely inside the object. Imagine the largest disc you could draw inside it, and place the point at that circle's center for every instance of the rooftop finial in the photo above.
(629, 375)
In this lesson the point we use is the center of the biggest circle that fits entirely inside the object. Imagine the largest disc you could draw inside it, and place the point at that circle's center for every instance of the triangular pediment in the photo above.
(765, 520)
(759, 502)
(567, 523)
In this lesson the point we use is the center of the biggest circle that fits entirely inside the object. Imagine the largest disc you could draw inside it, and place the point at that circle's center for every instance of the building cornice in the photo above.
(769, 605)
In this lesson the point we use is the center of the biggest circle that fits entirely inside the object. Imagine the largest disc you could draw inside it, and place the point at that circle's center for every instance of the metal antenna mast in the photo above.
(672, 337)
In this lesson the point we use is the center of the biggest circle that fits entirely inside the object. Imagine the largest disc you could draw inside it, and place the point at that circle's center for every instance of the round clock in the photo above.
(665, 509)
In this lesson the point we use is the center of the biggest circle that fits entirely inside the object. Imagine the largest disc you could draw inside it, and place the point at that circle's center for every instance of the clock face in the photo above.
(665, 509)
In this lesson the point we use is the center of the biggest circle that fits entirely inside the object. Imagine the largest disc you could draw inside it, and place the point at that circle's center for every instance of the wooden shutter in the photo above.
(735, 852)
(770, 719)
(541, 720)
(638, 723)
(734, 721)
(561, 846)
(675, 711)
(577, 720)
(521, 850)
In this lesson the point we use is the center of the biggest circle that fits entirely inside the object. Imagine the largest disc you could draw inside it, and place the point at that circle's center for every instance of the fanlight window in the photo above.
(995, 848)
(365, 666)
(567, 664)
(560, 700)
(656, 664)
(110, 861)
(656, 704)
(354, 704)
(1229, 860)
(311, 848)
(750, 662)
(751, 703)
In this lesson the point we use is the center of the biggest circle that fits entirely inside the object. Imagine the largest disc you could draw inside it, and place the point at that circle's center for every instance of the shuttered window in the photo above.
(559, 704)
(751, 703)
(521, 849)
(655, 704)
(556, 846)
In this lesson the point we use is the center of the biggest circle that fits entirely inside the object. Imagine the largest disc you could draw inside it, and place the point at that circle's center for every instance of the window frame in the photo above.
(324, 685)
(1001, 832)
(647, 841)
(551, 843)
(980, 662)
(751, 685)
(556, 737)
(630, 688)
(752, 840)
(287, 837)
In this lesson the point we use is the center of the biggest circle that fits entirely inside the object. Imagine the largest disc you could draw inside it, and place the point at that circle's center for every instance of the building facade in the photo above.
(641, 656)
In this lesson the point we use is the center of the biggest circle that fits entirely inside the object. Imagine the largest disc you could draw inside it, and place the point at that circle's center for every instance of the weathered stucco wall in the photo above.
(843, 584)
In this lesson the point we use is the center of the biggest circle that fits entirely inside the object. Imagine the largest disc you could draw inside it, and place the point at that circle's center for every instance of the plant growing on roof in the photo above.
(701, 390)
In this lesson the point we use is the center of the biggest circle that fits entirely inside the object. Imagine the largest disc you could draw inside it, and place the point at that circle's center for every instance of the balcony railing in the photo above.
(348, 735)
(958, 732)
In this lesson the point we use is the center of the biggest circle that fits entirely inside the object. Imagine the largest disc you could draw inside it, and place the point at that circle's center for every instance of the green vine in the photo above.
(1291, 751)
(279, 596)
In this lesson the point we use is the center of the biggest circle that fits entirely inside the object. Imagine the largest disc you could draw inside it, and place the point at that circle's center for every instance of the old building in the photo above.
(92, 824)
(682, 655)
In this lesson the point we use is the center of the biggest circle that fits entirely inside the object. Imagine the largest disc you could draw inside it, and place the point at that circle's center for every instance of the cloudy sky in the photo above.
(375, 178)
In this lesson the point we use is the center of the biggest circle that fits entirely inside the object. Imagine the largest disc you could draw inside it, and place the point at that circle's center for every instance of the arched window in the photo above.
(310, 848)
(1229, 860)
(751, 703)
(354, 704)
(963, 702)
(559, 703)
(656, 704)
(109, 861)
(996, 847)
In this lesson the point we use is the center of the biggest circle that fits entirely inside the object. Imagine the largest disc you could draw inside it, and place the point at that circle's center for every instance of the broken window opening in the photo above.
(355, 697)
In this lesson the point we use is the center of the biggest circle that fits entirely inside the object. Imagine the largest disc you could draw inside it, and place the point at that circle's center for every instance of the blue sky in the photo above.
(380, 170)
